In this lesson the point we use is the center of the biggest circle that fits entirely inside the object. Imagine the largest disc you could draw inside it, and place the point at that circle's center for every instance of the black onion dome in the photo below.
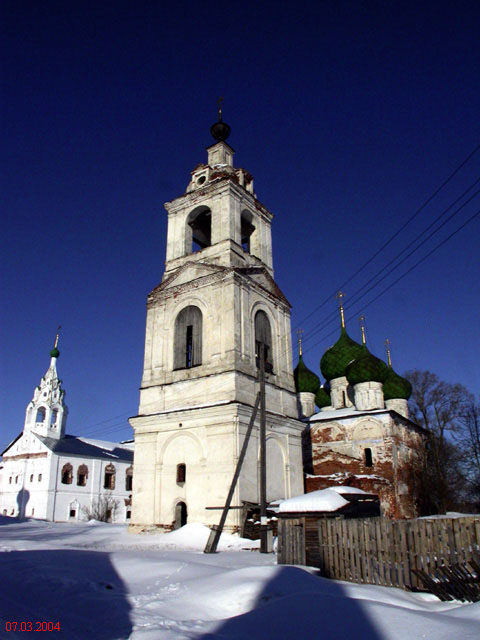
(54, 353)
(322, 399)
(335, 360)
(366, 368)
(305, 380)
(220, 130)
(395, 387)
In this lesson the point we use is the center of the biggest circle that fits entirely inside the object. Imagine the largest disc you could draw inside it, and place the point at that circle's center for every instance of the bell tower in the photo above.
(216, 303)
(47, 412)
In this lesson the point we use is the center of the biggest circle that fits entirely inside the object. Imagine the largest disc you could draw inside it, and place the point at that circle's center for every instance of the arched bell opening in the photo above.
(199, 229)
(247, 229)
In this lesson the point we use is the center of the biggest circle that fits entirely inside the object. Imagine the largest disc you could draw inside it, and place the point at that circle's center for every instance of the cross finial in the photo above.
(389, 359)
(340, 296)
(299, 334)
(57, 336)
(220, 100)
(362, 327)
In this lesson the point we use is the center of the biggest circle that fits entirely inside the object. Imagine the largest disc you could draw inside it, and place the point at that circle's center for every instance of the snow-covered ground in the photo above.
(102, 583)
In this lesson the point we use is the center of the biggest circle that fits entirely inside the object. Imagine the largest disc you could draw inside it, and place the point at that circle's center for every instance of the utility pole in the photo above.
(263, 455)
(216, 531)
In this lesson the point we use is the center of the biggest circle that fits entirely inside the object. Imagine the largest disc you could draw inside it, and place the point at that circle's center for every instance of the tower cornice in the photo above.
(220, 186)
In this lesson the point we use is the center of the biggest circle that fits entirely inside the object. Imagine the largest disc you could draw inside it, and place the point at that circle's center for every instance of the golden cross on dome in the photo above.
(389, 359)
(362, 327)
(299, 334)
(57, 336)
(340, 296)
(220, 100)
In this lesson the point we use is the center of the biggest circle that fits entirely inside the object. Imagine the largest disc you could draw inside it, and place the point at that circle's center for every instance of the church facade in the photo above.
(50, 475)
(362, 436)
(215, 308)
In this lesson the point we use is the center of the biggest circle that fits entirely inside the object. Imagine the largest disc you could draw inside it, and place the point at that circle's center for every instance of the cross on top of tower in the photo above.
(54, 353)
(220, 130)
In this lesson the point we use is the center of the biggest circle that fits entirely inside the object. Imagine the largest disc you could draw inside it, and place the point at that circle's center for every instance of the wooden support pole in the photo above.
(216, 531)
(263, 455)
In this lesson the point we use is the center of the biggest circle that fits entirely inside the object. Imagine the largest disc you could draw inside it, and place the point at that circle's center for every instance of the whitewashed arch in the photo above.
(368, 429)
(182, 434)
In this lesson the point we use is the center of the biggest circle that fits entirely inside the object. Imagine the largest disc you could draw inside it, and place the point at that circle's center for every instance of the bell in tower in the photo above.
(216, 303)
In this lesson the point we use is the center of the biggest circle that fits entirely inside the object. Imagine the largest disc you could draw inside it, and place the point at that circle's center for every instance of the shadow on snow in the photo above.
(79, 589)
(297, 604)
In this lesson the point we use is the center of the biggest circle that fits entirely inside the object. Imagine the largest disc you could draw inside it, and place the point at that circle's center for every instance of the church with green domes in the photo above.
(362, 435)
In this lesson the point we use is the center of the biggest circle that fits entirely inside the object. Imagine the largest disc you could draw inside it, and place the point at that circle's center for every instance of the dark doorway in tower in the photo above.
(180, 515)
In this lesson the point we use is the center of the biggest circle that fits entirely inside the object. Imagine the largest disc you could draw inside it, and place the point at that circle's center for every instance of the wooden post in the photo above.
(263, 455)
(216, 531)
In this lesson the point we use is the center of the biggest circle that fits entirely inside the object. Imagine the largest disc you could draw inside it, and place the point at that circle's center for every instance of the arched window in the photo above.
(82, 475)
(67, 473)
(181, 473)
(40, 414)
(129, 478)
(368, 458)
(188, 338)
(109, 482)
(200, 222)
(263, 339)
(53, 418)
(247, 229)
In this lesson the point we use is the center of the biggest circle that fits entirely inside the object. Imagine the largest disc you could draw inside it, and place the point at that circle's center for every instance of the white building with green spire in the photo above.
(50, 475)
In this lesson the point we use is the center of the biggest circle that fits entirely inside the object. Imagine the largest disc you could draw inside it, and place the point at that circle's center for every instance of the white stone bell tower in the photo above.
(216, 303)
(47, 412)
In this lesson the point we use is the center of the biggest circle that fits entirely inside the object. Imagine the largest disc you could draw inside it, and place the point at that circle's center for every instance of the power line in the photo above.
(394, 235)
(357, 296)
(440, 244)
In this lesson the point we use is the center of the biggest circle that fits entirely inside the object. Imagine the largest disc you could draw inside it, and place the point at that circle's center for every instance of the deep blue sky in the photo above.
(348, 114)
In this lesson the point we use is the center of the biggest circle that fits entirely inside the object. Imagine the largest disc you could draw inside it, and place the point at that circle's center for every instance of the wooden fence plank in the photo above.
(379, 551)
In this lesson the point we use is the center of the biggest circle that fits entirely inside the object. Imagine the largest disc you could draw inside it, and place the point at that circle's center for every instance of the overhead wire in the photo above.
(395, 234)
(357, 296)
(219, 387)
(331, 316)
(414, 266)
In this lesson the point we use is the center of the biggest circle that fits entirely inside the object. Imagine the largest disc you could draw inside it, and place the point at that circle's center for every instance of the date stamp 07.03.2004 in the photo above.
(38, 625)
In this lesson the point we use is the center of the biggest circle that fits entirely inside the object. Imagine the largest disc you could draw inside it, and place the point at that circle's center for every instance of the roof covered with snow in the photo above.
(328, 500)
(321, 500)
(89, 448)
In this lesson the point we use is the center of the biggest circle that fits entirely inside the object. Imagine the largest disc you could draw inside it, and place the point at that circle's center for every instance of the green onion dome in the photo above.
(54, 353)
(335, 360)
(396, 387)
(305, 380)
(322, 398)
(366, 368)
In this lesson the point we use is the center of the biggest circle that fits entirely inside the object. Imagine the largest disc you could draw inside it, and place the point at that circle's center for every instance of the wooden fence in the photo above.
(377, 550)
